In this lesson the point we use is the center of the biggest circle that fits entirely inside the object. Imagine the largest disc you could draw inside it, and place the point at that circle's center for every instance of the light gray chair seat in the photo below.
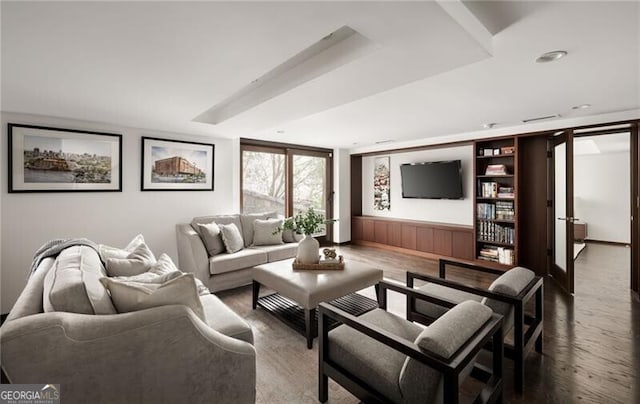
(377, 364)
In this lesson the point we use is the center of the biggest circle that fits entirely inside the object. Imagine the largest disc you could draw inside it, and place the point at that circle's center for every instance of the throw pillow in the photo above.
(247, 220)
(231, 237)
(448, 333)
(136, 262)
(134, 296)
(267, 232)
(210, 234)
(107, 252)
(162, 271)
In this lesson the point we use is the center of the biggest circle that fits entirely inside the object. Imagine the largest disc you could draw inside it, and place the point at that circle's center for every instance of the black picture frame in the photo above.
(85, 161)
(185, 165)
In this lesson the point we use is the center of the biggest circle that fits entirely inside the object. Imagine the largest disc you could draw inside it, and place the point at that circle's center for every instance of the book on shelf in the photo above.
(500, 255)
(493, 232)
(496, 169)
(507, 149)
(505, 192)
(499, 210)
(489, 189)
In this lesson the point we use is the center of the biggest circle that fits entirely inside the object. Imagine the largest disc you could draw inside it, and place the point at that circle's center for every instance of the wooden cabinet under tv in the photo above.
(432, 240)
(495, 207)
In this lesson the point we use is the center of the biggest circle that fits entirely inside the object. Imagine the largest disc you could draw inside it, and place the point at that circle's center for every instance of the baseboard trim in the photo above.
(588, 240)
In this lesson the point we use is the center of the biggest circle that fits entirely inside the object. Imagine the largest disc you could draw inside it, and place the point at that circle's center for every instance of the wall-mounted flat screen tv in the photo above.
(432, 180)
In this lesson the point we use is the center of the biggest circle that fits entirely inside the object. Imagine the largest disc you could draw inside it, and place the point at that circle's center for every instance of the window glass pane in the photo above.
(263, 182)
(309, 184)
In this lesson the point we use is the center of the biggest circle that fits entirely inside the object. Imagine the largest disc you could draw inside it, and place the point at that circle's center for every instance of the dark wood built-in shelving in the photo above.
(495, 216)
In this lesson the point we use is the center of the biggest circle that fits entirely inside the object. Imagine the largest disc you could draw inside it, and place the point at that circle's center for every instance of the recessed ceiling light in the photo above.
(551, 56)
(582, 106)
(384, 141)
(280, 131)
(489, 125)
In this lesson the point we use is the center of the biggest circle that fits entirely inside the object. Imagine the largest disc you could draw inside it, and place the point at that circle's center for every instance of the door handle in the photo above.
(575, 219)
(563, 218)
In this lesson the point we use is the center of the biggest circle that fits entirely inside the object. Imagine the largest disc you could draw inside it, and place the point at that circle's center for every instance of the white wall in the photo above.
(29, 220)
(432, 210)
(342, 196)
(602, 195)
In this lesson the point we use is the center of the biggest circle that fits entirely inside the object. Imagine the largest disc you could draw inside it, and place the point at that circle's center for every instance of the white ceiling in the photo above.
(160, 65)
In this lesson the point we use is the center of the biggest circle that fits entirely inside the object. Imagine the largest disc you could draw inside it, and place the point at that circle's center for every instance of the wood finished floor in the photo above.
(591, 340)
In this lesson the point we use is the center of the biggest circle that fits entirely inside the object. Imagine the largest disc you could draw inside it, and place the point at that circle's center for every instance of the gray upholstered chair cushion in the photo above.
(441, 292)
(448, 333)
(510, 283)
(443, 337)
(267, 232)
(210, 234)
(375, 363)
(231, 237)
(73, 283)
(247, 224)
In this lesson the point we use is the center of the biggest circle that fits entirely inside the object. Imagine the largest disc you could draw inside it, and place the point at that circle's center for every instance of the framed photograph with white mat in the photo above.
(45, 159)
(176, 165)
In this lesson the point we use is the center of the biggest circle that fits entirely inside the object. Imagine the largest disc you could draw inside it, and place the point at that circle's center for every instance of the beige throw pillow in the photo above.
(231, 237)
(107, 252)
(210, 234)
(134, 296)
(137, 262)
(267, 232)
(162, 271)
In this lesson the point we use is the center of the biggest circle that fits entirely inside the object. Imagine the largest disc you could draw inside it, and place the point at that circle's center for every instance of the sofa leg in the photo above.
(256, 293)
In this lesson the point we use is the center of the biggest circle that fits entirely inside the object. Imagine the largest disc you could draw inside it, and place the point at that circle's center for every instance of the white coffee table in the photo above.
(310, 287)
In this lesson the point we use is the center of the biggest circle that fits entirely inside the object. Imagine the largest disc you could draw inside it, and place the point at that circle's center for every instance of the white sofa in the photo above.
(226, 271)
(159, 355)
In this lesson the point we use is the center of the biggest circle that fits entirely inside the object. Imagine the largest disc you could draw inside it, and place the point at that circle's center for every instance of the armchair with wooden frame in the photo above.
(508, 295)
(382, 358)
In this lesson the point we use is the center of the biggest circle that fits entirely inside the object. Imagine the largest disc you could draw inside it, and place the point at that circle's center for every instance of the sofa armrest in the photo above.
(163, 354)
(192, 254)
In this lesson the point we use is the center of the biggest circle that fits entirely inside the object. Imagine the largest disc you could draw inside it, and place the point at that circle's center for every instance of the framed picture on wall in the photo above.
(381, 183)
(44, 159)
(175, 165)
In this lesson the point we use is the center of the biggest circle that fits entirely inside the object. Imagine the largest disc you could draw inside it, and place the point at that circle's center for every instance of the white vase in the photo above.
(308, 250)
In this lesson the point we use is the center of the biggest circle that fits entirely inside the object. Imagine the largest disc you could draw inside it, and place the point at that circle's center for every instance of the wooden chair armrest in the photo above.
(465, 288)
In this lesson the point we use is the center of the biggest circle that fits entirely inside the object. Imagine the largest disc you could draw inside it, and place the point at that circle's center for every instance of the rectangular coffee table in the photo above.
(310, 287)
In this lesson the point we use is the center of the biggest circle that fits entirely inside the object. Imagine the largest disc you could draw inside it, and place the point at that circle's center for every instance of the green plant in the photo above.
(308, 222)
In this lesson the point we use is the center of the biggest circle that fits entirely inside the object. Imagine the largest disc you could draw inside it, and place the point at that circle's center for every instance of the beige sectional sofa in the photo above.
(227, 270)
(64, 329)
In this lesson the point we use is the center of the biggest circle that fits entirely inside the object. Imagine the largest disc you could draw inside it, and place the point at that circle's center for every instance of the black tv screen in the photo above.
(432, 180)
